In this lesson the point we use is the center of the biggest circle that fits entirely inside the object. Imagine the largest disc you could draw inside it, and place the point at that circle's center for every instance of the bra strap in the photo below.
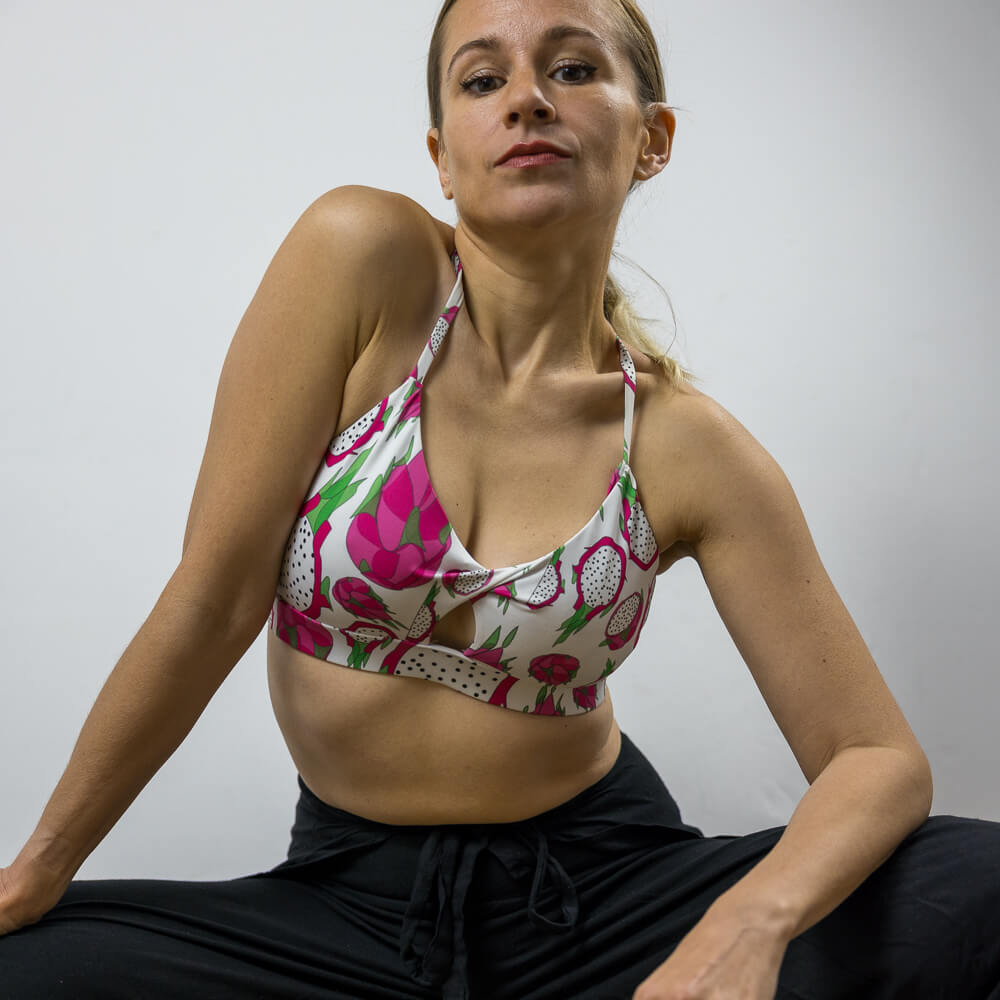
(628, 372)
(443, 324)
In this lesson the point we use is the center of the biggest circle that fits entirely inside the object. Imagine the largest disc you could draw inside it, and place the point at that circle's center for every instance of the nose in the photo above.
(526, 99)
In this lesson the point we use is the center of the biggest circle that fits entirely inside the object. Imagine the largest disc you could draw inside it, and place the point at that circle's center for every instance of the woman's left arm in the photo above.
(869, 780)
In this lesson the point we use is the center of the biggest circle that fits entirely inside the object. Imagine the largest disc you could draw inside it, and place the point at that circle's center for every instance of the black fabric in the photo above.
(581, 902)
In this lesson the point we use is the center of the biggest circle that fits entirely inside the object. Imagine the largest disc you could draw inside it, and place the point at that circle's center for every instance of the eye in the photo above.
(585, 68)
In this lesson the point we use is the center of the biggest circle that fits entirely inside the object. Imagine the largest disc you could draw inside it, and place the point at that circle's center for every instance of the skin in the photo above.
(536, 243)
(537, 359)
(535, 372)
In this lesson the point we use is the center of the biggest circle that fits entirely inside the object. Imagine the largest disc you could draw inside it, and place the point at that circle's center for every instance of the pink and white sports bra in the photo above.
(372, 564)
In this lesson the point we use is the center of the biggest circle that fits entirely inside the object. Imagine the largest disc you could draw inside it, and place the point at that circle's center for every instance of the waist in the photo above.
(401, 751)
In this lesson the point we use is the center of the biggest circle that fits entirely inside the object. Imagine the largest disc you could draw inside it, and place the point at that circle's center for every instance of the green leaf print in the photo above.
(628, 490)
(411, 530)
(510, 636)
(337, 492)
(370, 504)
(492, 640)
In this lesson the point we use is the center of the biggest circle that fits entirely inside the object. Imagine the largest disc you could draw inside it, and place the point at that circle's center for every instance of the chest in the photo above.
(516, 475)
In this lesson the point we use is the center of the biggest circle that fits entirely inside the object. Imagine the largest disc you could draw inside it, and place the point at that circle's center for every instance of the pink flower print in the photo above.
(302, 633)
(554, 668)
(357, 597)
(585, 696)
(400, 534)
(492, 653)
(363, 638)
(624, 621)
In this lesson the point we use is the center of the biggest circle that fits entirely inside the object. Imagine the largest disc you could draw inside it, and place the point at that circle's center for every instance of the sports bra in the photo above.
(372, 564)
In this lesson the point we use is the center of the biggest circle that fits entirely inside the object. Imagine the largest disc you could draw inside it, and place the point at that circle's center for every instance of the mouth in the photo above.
(534, 160)
(531, 151)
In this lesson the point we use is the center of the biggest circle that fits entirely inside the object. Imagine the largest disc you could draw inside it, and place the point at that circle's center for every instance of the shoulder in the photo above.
(399, 251)
(702, 466)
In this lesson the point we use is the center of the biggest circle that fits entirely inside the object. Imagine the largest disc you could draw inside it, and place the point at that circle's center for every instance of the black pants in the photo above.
(581, 902)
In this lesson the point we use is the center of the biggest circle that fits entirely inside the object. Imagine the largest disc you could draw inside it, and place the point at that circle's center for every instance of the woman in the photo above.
(422, 463)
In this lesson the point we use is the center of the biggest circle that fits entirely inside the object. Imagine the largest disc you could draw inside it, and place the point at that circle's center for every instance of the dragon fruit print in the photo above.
(364, 638)
(548, 703)
(628, 365)
(411, 407)
(357, 597)
(301, 582)
(599, 577)
(506, 593)
(491, 653)
(465, 582)
(419, 632)
(352, 439)
(554, 668)
(624, 622)
(303, 634)
(425, 619)
(302, 567)
(399, 535)
(550, 586)
(585, 697)
(642, 547)
(645, 614)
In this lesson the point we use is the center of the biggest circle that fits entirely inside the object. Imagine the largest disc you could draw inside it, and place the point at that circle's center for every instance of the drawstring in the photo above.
(446, 866)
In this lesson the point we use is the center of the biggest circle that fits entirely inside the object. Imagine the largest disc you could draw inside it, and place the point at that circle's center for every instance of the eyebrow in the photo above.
(492, 43)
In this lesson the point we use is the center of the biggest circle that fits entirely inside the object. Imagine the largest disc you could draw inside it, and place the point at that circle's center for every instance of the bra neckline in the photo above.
(419, 374)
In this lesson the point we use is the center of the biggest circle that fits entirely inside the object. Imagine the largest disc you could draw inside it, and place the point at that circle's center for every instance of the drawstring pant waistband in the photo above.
(432, 942)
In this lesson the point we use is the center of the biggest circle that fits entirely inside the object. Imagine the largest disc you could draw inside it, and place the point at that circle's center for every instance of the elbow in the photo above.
(237, 610)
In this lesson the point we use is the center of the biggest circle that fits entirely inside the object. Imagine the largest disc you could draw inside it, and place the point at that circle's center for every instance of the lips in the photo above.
(529, 149)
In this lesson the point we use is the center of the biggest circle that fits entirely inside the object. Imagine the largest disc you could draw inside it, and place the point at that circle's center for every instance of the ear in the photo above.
(659, 129)
(440, 157)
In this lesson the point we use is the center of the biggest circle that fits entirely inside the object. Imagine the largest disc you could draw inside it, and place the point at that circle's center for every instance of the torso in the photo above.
(434, 756)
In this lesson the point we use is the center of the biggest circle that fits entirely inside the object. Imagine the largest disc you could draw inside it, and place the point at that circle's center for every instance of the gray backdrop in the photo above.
(827, 232)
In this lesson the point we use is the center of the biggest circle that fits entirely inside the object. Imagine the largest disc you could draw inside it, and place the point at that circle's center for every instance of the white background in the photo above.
(827, 233)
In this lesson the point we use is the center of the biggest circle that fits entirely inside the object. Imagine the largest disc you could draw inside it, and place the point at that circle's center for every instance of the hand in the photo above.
(25, 898)
(725, 956)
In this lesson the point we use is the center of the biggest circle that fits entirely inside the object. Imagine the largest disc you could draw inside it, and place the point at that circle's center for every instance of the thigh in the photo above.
(924, 924)
(257, 937)
(634, 909)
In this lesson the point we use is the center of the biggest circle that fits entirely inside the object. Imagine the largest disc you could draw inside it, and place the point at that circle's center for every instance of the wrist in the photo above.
(46, 860)
(774, 917)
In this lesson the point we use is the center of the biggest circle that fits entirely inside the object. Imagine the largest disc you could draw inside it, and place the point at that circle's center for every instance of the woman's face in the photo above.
(577, 92)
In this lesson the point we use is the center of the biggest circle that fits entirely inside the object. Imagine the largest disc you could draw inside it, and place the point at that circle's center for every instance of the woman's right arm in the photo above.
(276, 409)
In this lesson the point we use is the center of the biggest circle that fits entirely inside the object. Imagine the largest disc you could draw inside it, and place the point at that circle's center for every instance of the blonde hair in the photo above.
(638, 42)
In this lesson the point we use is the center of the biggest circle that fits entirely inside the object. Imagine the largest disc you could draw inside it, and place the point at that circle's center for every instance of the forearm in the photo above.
(850, 820)
(150, 701)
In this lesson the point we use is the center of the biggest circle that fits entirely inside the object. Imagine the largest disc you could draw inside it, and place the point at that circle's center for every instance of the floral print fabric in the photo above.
(372, 564)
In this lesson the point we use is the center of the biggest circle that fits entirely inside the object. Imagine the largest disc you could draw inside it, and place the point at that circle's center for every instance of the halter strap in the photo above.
(447, 318)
